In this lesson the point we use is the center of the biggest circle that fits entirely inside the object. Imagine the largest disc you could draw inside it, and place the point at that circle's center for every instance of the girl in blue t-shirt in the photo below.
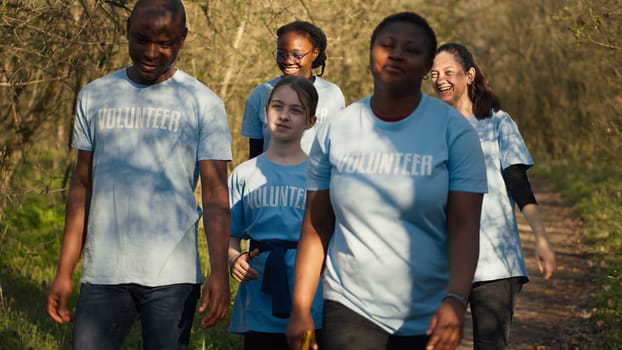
(501, 270)
(267, 198)
(301, 47)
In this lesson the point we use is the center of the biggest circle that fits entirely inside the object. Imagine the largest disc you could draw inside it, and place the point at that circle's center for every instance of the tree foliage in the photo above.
(50, 49)
(555, 65)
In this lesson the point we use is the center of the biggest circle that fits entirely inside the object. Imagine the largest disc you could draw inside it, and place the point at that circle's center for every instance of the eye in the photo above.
(166, 44)
(280, 54)
(141, 40)
(434, 74)
(412, 49)
(298, 110)
(276, 105)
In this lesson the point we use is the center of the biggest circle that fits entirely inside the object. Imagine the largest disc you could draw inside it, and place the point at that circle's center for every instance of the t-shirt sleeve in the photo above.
(251, 119)
(236, 204)
(467, 170)
(214, 135)
(82, 129)
(319, 168)
(340, 98)
(512, 147)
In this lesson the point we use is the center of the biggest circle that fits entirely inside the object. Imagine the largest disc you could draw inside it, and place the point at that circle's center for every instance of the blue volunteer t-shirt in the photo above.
(255, 122)
(389, 183)
(267, 203)
(147, 141)
(500, 252)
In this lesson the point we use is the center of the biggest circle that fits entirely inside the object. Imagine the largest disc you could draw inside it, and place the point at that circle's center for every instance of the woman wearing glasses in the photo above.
(301, 47)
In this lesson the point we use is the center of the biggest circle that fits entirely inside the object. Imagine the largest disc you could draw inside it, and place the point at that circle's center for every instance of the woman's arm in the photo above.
(463, 218)
(517, 183)
(545, 256)
(317, 228)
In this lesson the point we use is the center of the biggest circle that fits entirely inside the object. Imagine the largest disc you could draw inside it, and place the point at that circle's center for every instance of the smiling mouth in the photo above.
(290, 69)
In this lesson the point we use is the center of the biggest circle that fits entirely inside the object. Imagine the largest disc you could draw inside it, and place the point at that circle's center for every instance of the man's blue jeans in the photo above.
(105, 314)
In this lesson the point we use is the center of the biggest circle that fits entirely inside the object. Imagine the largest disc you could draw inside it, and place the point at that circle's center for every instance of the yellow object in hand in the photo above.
(306, 340)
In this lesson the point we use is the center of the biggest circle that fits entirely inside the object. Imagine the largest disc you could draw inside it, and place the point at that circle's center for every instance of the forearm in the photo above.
(317, 229)
(215, 199)
(74, 236)
(463, 254)
(76, 215)
(235, 249)
(532, 216)
(216, 225)
(464, 211)
(310, 257)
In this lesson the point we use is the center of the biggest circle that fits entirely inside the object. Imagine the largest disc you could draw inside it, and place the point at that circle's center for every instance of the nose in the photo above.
(396, 53)
(284, 114)
(151, 50)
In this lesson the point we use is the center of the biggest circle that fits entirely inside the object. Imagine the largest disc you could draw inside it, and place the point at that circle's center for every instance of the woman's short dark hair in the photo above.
(416, 20)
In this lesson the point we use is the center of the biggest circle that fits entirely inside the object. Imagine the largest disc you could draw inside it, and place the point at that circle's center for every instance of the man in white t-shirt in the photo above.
(145, 134)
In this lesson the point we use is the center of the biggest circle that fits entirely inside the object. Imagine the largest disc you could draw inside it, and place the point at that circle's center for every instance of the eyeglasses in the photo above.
(281, 55)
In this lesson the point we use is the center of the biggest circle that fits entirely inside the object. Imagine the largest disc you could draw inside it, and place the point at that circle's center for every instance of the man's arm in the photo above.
(215, 199)
(76, 215)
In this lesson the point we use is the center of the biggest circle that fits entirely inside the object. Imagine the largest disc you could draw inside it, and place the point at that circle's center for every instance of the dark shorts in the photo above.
(105, 314)
(344, 329)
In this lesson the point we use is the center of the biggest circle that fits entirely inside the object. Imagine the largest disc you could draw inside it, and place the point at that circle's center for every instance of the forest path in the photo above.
(553, 314)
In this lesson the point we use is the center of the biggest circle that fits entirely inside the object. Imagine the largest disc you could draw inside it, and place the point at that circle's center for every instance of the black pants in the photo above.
(272, 341)
(492, 309)
(344, 329)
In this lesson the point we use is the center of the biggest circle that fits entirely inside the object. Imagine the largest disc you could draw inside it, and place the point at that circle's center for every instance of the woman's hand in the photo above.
(297, 326)
(445, 329)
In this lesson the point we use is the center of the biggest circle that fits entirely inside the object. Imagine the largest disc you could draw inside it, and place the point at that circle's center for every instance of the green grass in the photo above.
(596, 190)
(30, 240)
(31, 233)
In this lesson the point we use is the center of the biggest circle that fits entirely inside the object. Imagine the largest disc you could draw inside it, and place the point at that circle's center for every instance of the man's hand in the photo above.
(214, 300)
(56, 300)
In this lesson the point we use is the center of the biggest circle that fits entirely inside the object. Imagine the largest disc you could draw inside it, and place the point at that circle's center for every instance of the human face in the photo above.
(287, 116)
(154, 41)
(291, 42)
(449, 79)
(400, 56)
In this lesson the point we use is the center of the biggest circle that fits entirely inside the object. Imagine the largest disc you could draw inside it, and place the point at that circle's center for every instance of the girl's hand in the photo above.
(241, 270)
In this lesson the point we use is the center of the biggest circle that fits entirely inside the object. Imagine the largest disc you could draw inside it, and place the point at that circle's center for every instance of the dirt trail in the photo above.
(552, 314)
